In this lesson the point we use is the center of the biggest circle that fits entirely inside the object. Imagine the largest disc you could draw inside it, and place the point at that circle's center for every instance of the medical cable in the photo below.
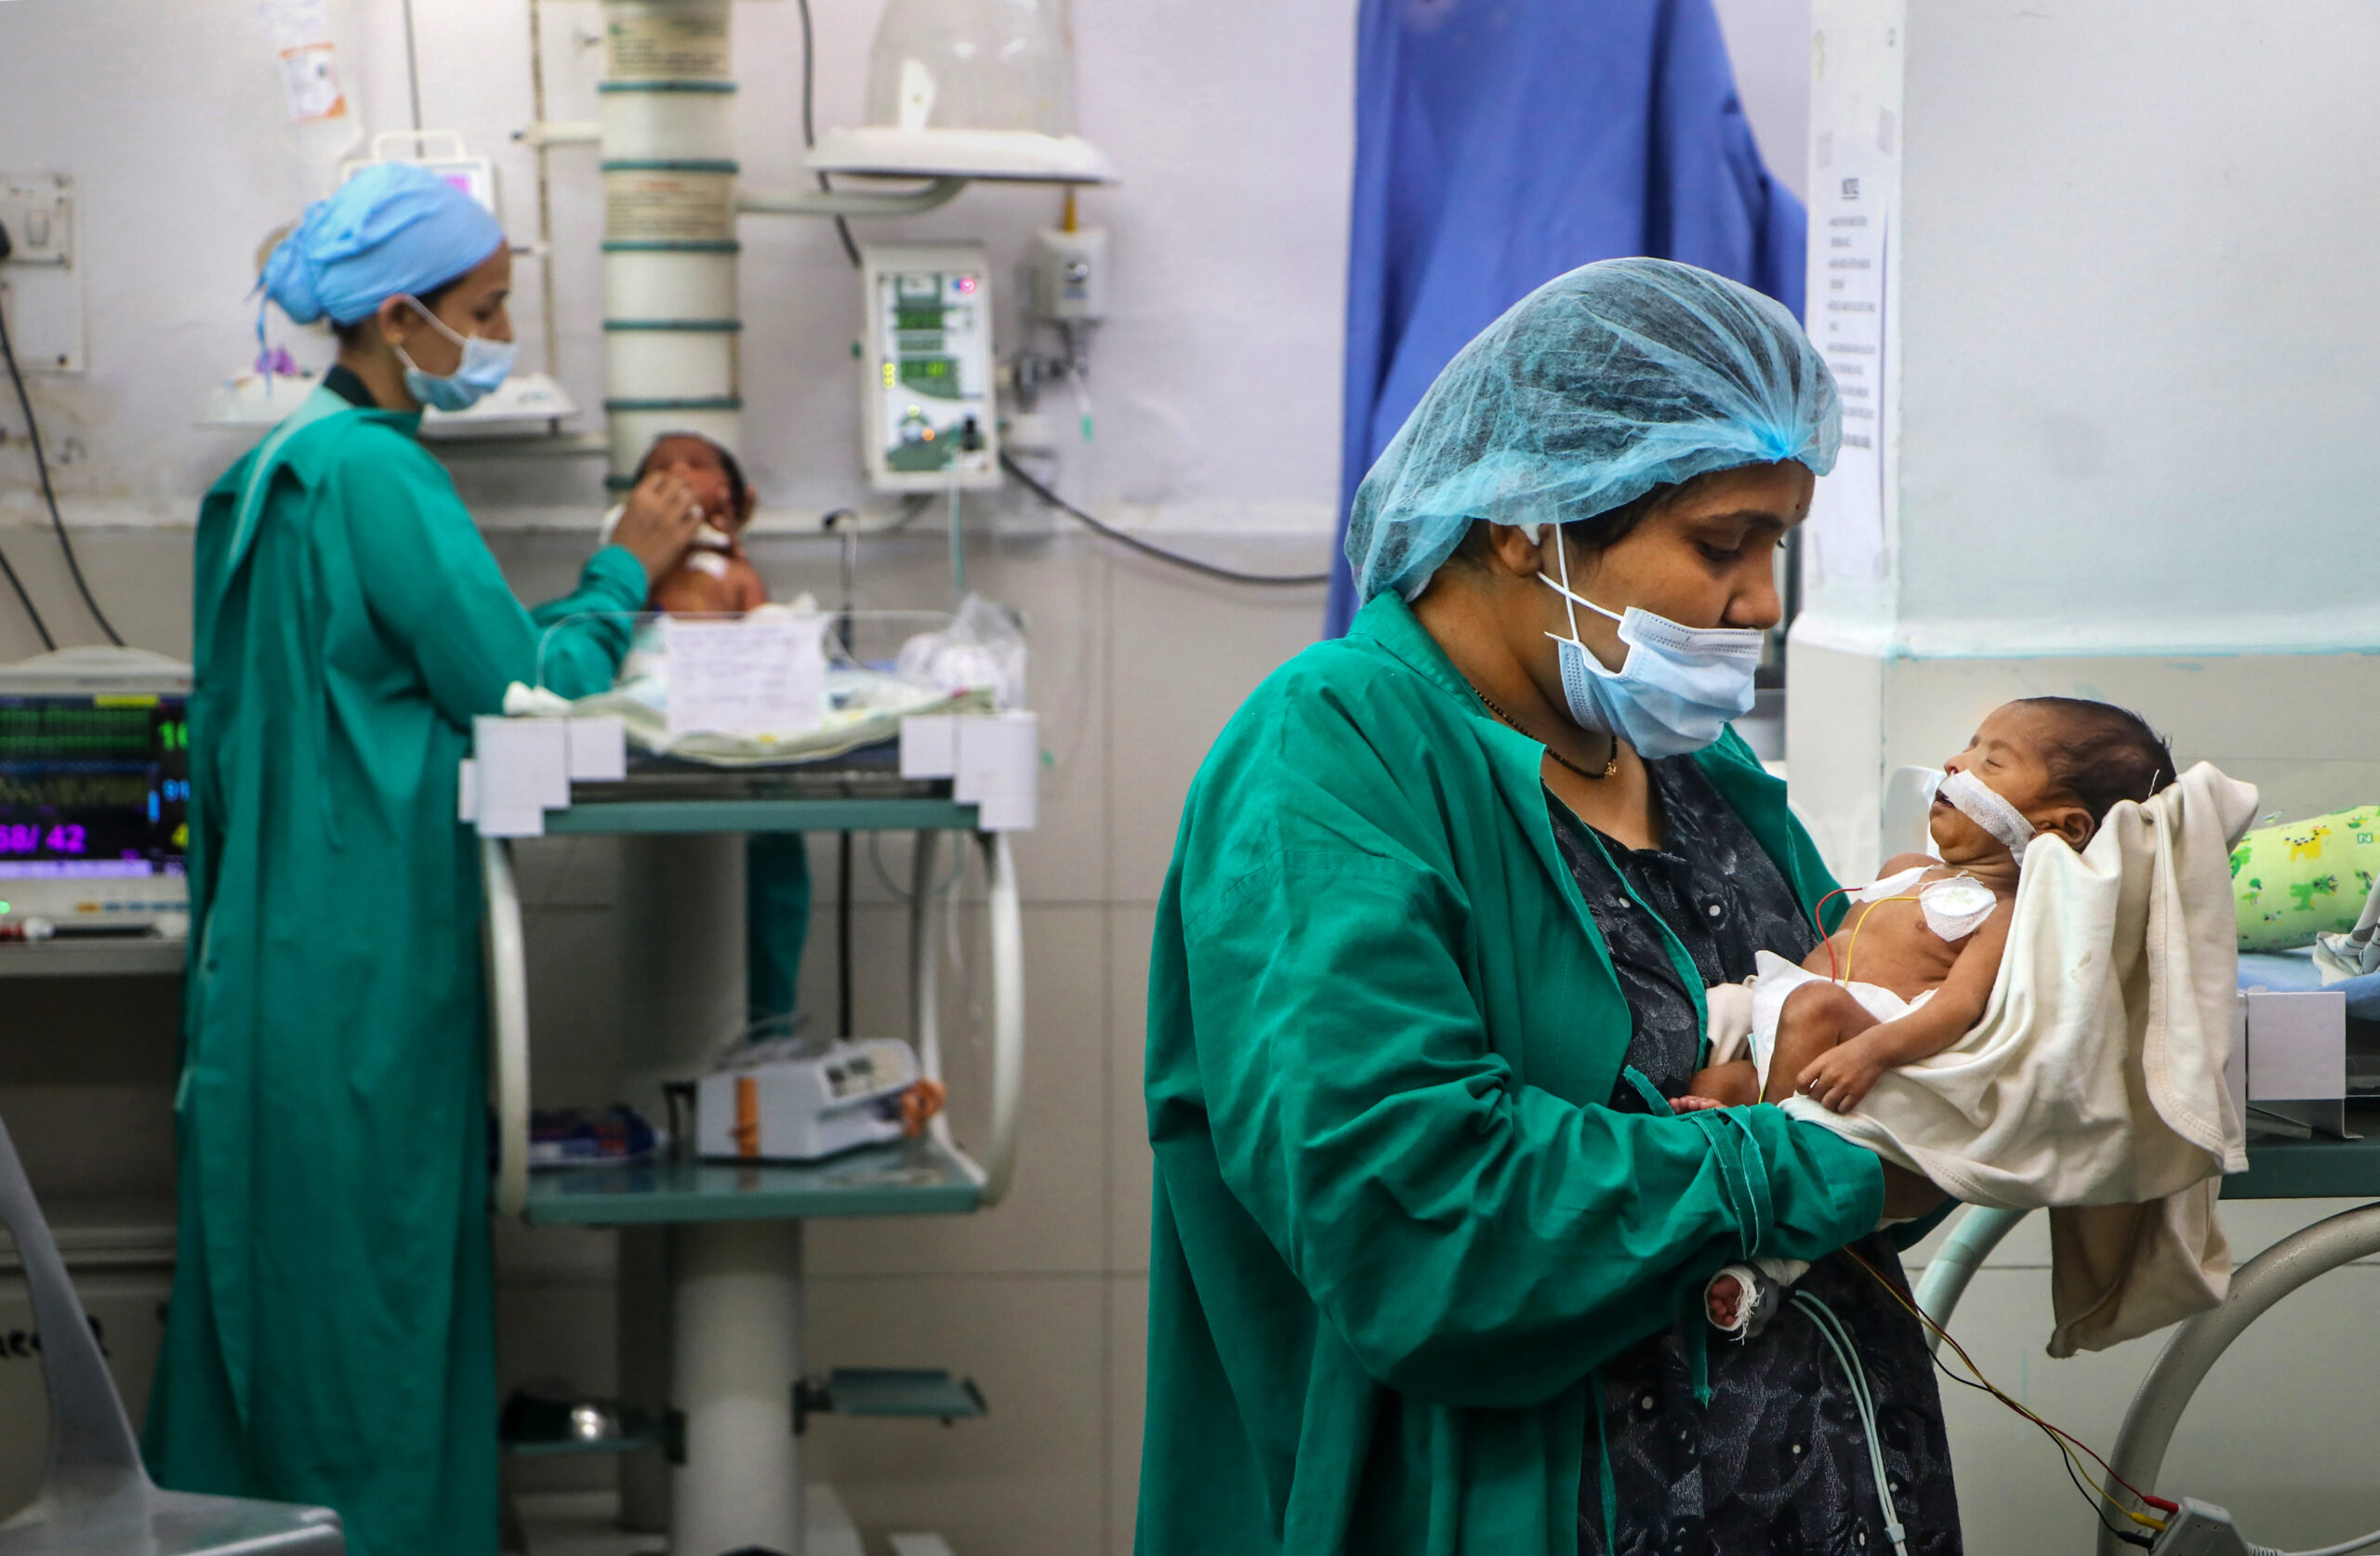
(50, 495)
(1230, 574)
(940, 889)
(2094, 1495)
(1851, 951)
(2344, 1548)
(2066, 1441)
(810, 134)
(1838, 1339)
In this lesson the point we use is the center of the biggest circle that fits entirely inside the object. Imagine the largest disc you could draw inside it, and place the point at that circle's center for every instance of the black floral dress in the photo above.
(1777, 1461)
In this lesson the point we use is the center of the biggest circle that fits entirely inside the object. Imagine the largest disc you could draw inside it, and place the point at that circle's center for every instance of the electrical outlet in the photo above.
(38, 211)
(41, 282)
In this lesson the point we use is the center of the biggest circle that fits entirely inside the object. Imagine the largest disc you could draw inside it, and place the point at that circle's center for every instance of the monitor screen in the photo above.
(93, 785)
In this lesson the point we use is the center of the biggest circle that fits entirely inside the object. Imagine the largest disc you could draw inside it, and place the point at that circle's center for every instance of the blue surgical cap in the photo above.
(393, 229)
(1589, 393)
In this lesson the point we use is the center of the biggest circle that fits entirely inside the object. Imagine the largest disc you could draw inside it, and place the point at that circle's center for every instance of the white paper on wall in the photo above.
(1850, 321)
(745, 678)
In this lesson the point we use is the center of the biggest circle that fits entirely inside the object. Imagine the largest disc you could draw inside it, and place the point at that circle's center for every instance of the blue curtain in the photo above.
(1501, 142)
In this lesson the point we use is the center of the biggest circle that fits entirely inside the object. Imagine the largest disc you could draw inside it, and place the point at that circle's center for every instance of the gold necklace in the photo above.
(1611, 763)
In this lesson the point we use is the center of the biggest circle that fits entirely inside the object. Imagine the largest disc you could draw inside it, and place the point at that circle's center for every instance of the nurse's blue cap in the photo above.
(394, 230)
(1599, 386)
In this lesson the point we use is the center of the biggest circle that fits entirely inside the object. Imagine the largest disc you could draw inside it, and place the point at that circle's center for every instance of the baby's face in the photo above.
(2007, 753)
(698, 464)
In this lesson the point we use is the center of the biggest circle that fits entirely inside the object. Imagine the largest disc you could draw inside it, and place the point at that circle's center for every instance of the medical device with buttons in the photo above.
(788, 1103)
(928, 359)
(94, 794)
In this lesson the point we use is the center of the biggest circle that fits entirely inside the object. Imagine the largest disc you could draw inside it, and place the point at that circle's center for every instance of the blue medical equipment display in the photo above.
(93, 785)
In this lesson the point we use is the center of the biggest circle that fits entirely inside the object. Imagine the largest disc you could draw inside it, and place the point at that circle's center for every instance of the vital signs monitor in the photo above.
(95, 793)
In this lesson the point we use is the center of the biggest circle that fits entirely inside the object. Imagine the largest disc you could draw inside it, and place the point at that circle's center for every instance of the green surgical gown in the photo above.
(1395, 1229)
(331, 1337)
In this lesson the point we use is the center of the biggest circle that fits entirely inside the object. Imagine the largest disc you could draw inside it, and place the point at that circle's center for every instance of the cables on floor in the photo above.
(50, 495)
(1230, 574)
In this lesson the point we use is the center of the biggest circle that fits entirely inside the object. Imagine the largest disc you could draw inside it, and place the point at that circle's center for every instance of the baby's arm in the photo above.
(1844, 1074)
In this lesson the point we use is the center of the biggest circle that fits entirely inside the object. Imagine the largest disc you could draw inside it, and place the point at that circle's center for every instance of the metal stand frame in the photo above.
(735, 1277)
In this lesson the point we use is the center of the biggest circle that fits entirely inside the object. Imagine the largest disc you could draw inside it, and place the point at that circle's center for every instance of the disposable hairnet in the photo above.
(394, 229)
(1589, 393)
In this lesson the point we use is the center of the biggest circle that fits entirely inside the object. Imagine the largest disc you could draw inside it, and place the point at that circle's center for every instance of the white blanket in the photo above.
(2093, 1084)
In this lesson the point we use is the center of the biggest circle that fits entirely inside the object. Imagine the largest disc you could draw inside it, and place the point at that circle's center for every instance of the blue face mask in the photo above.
(1676, 690)
(486, 364)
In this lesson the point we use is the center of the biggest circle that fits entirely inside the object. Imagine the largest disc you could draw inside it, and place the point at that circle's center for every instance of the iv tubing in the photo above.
(1838, 1340)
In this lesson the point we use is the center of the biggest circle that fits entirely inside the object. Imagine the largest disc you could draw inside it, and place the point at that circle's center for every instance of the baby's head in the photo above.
(2063, 762)
(712, 471)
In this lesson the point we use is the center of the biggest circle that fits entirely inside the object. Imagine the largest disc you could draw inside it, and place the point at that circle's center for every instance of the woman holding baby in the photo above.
(1430, 1239)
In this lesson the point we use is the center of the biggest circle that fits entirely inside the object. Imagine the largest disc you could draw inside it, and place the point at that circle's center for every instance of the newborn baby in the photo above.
(714, 576)
(1911, 969)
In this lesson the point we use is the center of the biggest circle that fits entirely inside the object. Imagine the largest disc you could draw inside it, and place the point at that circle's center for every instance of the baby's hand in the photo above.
(1691, 1103)
(1722, 1299)
(1842, 1076)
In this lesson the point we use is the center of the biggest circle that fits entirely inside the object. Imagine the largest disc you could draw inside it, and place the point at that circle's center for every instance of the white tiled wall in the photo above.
(1135, 669)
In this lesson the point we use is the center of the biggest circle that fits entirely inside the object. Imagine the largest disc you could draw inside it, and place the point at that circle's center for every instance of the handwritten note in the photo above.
(745, 678)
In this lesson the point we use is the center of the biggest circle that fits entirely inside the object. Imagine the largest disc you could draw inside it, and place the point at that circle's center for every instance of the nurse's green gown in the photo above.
(331, 1336)
(1396, 1232)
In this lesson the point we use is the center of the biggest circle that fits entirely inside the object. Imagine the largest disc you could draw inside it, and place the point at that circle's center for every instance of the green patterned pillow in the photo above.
(2299, 879)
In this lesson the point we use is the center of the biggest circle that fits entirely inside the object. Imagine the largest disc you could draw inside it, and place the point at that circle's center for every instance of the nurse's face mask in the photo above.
(1678, 687)
(485, 364)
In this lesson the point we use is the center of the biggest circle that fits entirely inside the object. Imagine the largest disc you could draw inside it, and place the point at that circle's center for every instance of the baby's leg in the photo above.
(1733, 1085)
(1814, 1019)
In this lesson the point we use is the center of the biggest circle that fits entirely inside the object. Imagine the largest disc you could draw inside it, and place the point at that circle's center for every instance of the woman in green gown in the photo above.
(331, 1335)
(1429, 971)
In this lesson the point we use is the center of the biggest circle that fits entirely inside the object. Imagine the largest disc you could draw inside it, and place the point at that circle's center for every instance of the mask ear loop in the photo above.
(1562, 559)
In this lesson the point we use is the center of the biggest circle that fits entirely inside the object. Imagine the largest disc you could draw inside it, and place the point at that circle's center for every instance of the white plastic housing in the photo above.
(1069, 275)
(667, 120)
(662, 284)
(926, 391)
(671, 365)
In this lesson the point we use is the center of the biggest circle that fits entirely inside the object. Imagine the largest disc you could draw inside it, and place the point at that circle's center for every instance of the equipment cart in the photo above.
(734, 1230)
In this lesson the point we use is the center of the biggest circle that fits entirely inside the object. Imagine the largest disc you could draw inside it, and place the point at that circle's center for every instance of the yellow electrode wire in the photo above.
(1853, 949)
(2056, 1434)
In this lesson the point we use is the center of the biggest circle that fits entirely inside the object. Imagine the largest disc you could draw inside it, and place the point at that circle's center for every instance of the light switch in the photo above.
(41, 284)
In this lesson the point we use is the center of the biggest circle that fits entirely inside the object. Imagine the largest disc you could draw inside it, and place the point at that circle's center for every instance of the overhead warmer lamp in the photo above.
(958, 90)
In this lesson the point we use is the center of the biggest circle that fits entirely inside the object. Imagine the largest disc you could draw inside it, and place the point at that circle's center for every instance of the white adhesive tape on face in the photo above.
(1981, 804)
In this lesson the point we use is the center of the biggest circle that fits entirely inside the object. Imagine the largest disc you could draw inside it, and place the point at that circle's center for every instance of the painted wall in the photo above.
(2131, 333)
(1216, 381)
